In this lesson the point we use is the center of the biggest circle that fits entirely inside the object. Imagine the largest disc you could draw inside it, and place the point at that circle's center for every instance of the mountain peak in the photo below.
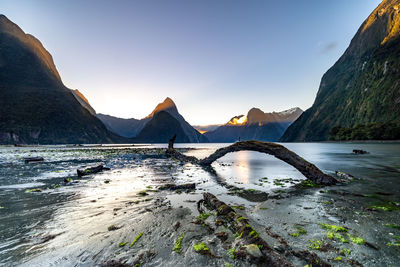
(167, 105)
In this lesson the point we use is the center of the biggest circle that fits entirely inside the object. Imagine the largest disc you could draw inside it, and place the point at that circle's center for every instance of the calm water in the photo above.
(71, 213)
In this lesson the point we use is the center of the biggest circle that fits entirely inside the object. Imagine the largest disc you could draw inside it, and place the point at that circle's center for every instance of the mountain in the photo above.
(83, 101)
(206, 128)
(362, 88)
(35, 106)
(257, 125)
(123, 127)
(161, 128)
(134, 127)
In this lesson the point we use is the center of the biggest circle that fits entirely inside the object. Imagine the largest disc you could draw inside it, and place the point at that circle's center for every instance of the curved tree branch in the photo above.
(308, 169)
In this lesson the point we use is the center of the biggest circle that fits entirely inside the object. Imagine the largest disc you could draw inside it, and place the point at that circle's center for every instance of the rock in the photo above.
(223, 236)
(360, 151)
(253, 250)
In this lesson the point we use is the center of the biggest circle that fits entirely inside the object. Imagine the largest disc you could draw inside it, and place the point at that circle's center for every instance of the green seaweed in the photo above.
(178, 244)
(204, 216)
(34, 190)
(254, 233)
(337, 236)
(308, 184)
(300, 231)
(333, 227)
(231, 253)
(201, 247)
(356, 239)
(122, 244)
(136, 239)
(345, 252)
(393, 244)
(238, 207)
(315, 244)
(338, 258)
(240, 218)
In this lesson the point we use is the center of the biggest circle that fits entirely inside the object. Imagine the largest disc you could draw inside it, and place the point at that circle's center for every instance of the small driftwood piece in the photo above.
(92, 170)
(191, 186)
(33, 159)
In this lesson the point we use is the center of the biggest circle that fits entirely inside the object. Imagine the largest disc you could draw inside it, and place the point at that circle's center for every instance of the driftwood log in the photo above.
(248, 237)
(309, 170)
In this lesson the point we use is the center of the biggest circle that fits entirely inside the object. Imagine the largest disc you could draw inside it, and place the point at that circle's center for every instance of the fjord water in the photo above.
(66, 223)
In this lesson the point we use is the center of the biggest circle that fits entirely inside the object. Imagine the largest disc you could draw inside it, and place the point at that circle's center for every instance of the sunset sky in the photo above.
(214, 58)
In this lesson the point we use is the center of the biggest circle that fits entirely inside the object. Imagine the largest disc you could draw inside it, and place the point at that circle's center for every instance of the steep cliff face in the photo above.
(35, 106)
(363, 86)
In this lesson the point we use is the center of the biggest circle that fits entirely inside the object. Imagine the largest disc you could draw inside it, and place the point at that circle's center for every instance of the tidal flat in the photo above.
(51, 217)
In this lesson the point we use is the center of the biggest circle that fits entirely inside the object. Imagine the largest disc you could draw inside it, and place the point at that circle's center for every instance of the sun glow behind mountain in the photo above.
(239, 120)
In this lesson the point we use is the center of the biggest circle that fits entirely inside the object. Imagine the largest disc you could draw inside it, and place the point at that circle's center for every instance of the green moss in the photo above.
(240, 218)
(328, 202)
(231, 253)
(345, 252)
(35, 190)
(122, 244)
(263, 208)
(315, 244)
(177, 247)
(203, 216)
(338, 258)
(136, 239)
(356, 239)
(333, 227)
(308, 184)
(393, 244)
(389, 206)
(254, 233)
(300, 231)
(201, 247)
(337, 236)
(238, 207)
(229, 265)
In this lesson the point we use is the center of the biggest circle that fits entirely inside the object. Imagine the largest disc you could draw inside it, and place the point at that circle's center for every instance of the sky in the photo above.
(214, 58)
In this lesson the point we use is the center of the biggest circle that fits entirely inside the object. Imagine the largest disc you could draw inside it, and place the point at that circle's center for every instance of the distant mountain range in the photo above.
(35, 106)
(359, 96)
(153, 128)
(257, 125)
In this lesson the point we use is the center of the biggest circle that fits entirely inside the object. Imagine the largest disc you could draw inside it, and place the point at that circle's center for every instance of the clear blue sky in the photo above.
(214, 58)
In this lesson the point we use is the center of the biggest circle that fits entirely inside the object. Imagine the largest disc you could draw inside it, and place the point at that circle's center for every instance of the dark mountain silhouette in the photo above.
(35, 106)
(133, 127)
